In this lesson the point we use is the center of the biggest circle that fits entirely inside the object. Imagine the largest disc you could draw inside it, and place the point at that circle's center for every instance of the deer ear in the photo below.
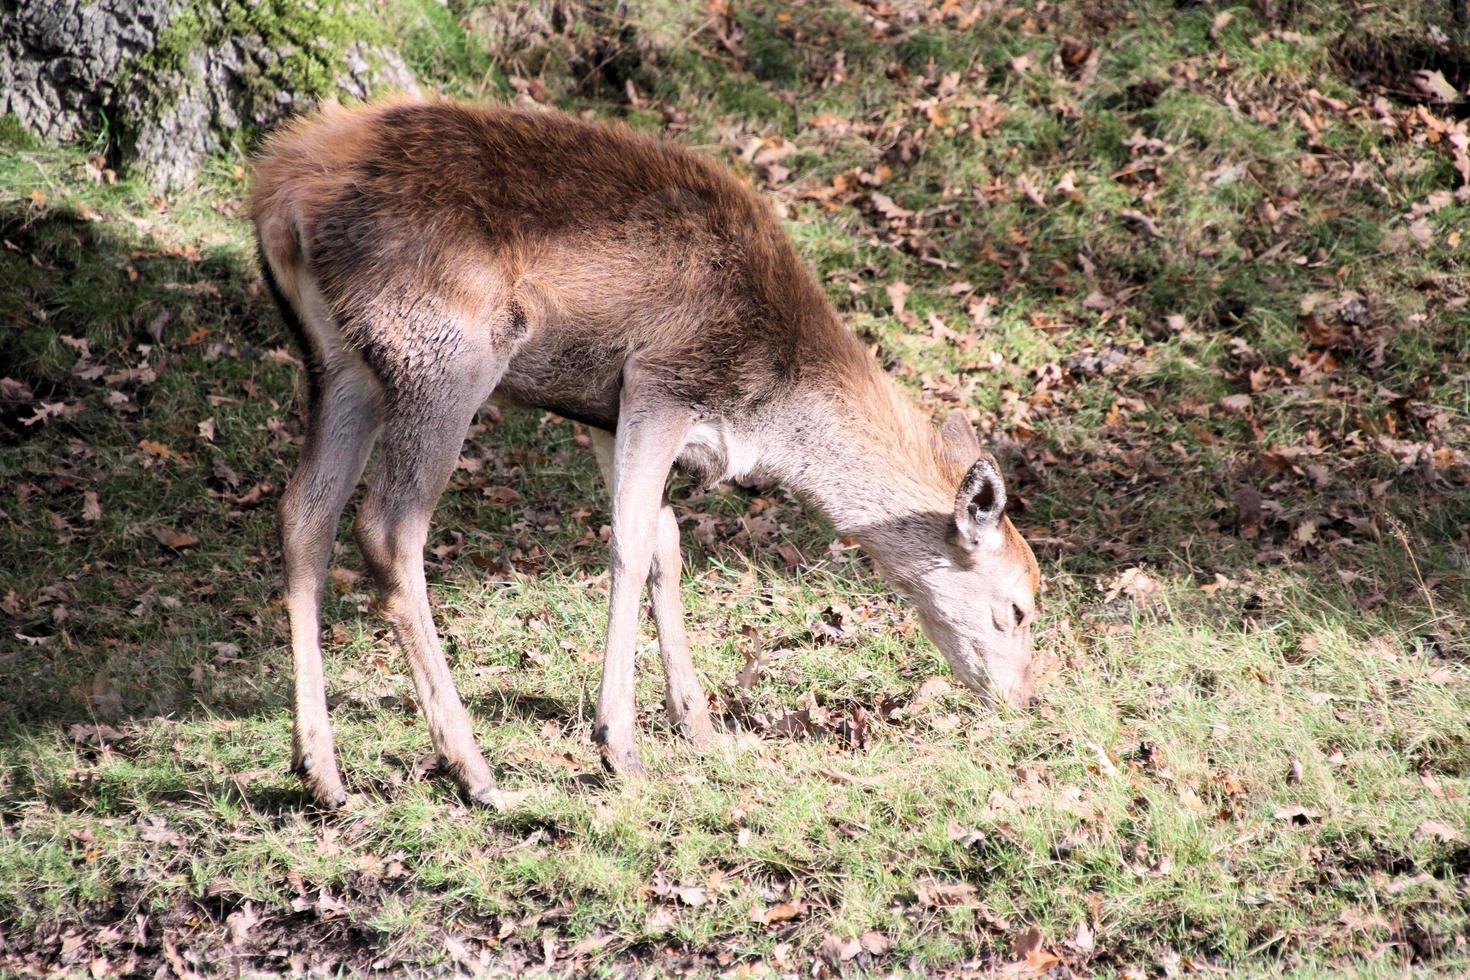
(980, 502)
(959, 438)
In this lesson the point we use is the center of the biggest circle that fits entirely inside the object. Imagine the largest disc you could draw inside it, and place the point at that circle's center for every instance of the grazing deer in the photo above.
(431, 256)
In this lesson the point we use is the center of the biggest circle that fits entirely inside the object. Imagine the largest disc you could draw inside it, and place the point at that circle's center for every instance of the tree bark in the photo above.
(168, 82)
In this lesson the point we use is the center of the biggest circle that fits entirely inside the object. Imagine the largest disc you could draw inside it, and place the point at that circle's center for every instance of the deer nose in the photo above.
(1020, 693)
(1015, 691)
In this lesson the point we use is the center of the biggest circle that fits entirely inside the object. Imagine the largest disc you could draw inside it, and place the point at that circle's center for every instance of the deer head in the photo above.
(975, 585)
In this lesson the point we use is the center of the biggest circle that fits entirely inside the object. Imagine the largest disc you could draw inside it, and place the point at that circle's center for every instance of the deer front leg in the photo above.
(645, 447)
(684, 699)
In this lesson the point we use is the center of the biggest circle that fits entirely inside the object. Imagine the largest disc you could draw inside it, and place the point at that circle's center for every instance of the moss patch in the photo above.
(307, 40)
(14, 135)
(285, 47)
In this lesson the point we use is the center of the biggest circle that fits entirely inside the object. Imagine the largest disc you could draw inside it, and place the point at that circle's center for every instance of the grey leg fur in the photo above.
(648, 441)
(421, 445)
(684, 699)
(340, 427)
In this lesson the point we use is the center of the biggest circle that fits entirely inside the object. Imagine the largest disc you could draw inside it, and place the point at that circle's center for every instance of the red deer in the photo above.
(430, 256)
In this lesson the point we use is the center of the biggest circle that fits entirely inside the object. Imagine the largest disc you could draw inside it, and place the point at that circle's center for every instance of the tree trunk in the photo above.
(168, 82)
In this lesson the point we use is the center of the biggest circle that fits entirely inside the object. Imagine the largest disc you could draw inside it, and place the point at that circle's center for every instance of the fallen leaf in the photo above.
(1075, 51)
(1405, 883)
(178, 540)
(176, 961)
(1132, 582)
(1221, 582)
(1435, 86)
(1305, 532)
(252, 496)
(1434, 830)
(689, 894)
(154, 448)
(898, 295)
(836, 950)
(885, 206)
(1143, 223)
(91, 506)
(750, 673)
(1299, 816)
(1027, 946)
(850, 779)
(1042, 960)
(155, 831)
(344, 579)
(502, 495)
(224, 474)
(661, 920)
(240, 922)
(100, 695)
(933, 687)
(242, 780)
(322, 902)
(460, 952)
(592, 944)
(1104, 761)
(692, 895)
(782, 912)
(964, 836)
(1422, 232)
(797, 723)
(1359, 921)
(1236, 404)
(937, 895)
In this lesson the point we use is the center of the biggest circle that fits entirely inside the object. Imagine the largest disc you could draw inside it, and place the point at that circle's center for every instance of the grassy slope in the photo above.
(1151, 796)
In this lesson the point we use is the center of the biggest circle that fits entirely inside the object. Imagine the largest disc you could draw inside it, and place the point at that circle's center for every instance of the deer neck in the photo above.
(866, 458)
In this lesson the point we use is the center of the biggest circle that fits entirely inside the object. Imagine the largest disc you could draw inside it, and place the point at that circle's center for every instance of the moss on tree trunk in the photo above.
(167, 82)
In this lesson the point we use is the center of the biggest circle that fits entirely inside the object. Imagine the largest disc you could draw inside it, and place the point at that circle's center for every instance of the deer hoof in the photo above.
(315, 764)
(696, 726)
(624, 764)
(325, 787)
(691, 719)
(473, 777)
(485, 795)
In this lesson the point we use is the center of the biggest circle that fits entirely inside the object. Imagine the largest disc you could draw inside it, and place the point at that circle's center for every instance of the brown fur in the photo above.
(614, 241)
(431, 254)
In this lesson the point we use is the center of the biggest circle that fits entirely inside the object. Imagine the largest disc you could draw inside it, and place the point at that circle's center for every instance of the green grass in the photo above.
(1151, 795)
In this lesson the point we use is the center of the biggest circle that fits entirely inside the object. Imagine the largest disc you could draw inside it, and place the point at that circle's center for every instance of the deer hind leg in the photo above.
(684, 699)
(422, 438)
(342, 418)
